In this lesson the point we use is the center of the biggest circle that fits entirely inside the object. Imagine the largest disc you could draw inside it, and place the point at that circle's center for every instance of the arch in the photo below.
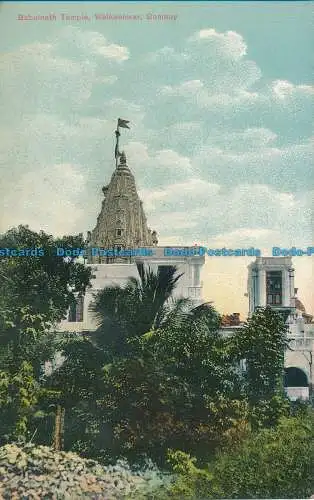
(295, 377)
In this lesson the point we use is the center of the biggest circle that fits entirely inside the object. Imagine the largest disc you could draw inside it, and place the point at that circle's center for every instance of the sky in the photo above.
(220, 103)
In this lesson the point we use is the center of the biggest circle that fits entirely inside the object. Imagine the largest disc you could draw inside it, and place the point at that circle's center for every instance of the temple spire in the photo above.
(121, 223)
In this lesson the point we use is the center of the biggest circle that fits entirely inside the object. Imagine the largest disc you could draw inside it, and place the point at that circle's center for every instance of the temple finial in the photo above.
(123, 158)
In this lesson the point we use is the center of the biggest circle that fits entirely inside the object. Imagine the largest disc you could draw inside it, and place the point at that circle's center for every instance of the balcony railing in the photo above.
(195, 292)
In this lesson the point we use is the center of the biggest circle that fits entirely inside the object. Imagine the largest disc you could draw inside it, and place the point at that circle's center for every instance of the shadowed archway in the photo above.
(295, 377)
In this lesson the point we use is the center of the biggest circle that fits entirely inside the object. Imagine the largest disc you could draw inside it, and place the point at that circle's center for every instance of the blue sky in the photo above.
(221, 109)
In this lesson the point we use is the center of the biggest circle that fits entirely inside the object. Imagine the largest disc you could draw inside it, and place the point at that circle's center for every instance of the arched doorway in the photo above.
(295, 377)
(296, 383)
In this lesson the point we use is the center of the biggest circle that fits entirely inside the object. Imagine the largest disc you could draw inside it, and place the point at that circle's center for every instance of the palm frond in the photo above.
(143, 304)
(174, 313)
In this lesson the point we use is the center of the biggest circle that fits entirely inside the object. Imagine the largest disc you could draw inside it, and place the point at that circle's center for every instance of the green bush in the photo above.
(272, 463)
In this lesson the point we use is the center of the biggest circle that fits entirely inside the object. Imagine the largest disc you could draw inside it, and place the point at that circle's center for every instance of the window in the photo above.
(118, 232)
(197, 275)
(164, 271)
(76, 310)
(274, 288)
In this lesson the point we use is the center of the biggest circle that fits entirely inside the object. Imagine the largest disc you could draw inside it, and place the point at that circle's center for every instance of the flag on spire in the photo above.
(123, 123)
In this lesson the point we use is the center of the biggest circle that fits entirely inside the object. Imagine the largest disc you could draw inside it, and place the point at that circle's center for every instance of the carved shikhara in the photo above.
(122, 221)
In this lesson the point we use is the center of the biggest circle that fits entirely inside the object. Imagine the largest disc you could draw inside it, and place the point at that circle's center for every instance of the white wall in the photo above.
(189, 286)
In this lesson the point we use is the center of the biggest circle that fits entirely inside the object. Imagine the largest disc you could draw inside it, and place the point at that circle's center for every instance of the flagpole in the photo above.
(117, 132)
(123, 124)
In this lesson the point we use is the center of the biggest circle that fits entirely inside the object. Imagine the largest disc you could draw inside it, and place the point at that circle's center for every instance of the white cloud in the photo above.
(113, 51)
(253, 156)
(35, 79)
(181, 195)
(157, 167)
(173, 160)
(250, 137)
(125, 109)
(183, 127)
(48, 199)
(137, 153)
(167, 55)
(192, 186)
(93, 42)
(251, 212)
(184, 89)
(177, 220)
(212, 62)
(231, 88)
(218, 76)
(195, 92)
(47, 139)
(110, 80)
(282, 89)
(58, 74)
(240, 237)
(230, 44)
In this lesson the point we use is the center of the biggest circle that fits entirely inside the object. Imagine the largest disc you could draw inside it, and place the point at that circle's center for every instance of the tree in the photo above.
(262, 343)
(18, 396)
(67, 406)
(144, 304)
(35, 292)
(179, 388)
(272, 463)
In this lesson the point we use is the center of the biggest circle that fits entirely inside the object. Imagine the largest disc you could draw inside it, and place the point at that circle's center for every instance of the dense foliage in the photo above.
(272, 463)
(35, 293)
(177, 390)
(46, 284)
(262, 343)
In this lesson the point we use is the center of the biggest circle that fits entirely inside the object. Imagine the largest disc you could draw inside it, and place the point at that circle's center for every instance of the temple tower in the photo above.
(121, 223)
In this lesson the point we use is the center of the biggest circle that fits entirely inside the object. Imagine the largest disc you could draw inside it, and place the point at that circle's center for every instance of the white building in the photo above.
(271, 283)
(80, 319)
